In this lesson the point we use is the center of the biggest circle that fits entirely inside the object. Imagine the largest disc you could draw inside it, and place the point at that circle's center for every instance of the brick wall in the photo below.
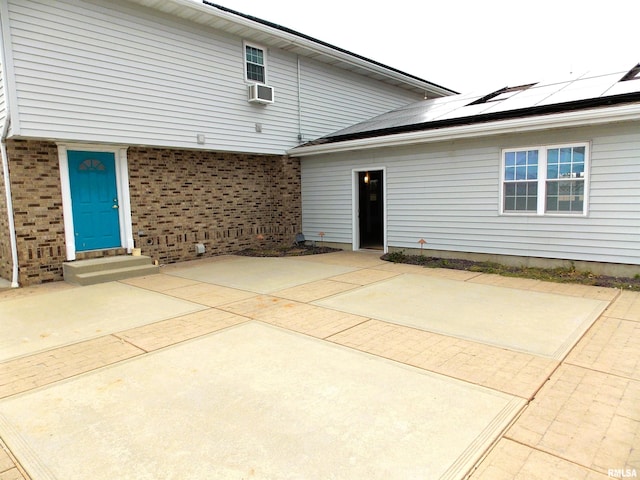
(37, 205)
(225, 201)
(5, 245)
(178, 198)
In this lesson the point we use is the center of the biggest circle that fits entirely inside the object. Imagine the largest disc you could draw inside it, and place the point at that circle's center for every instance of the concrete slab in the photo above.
(68, 316)
(255, 401)
(208, 294)
(360, 259)
(515, 373)
(514, 461)
(159, 283)
(586, 417)
(34, 290)
(626, 307)
(260, 275)
(309, 292)
(299, 317)
(533, 322)
(611, 346)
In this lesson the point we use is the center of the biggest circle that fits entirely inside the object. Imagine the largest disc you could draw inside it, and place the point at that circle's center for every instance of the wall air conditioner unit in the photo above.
(259, 93)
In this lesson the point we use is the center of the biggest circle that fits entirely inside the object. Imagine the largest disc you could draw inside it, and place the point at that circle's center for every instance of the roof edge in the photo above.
(563, 119)
(489, 117)
(308, 38)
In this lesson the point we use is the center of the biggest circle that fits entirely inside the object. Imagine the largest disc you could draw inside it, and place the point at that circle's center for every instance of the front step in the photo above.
(107, 269)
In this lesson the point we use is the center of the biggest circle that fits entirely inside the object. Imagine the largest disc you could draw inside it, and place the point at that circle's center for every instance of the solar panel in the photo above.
(450, 108)
(583, 88)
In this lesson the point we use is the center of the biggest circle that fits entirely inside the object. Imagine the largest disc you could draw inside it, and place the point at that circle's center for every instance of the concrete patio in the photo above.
(328, 366)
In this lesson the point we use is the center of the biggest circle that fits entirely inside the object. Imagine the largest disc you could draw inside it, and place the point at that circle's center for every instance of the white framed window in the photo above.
(545, 180)
(255, 63)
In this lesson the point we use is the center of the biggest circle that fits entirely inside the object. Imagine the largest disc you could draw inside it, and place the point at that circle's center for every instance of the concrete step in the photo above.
(108, 269)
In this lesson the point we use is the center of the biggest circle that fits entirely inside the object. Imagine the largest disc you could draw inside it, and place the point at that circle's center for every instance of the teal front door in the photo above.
(94, 200)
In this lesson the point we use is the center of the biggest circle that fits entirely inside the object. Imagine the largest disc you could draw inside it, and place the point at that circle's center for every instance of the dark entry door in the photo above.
(371, 209)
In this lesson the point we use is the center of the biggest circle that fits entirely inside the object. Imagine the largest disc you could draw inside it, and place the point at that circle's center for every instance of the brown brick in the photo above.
(227, 201)
(223, 200)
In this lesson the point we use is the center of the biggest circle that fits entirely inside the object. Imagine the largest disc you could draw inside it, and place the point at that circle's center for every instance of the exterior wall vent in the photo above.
(259, 93)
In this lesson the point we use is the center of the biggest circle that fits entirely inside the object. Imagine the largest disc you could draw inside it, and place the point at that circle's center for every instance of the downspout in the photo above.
(300, 136)
(7, 191)
(3, 148)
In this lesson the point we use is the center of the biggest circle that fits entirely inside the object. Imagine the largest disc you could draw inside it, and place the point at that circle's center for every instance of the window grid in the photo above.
(565, 196)
(255, 65)
(545, 180)
(521, 185)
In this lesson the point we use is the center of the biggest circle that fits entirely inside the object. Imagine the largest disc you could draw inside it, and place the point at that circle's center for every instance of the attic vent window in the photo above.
(633, 74)
(502, 94)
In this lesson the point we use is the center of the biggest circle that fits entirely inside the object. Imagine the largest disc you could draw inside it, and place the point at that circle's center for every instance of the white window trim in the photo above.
(122, 185)
(542, 180)
(246, 44)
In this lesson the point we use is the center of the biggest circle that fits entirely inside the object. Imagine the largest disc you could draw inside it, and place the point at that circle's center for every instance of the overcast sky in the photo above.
(470, 45)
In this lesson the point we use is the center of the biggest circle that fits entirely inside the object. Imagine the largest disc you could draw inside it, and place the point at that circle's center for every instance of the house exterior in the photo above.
(162, 124)
(542, 174)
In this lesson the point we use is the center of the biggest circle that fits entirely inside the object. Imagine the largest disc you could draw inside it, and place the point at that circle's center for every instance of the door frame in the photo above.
(355, 205)
(122, 186)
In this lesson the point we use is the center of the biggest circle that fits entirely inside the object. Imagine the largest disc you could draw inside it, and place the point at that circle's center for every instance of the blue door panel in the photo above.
(94, 199)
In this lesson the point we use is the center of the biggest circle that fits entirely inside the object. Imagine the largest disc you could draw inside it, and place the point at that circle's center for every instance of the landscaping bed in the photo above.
(561, 275)
(290, 251)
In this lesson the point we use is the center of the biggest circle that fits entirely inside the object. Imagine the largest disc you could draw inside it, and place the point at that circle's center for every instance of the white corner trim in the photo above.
(124, 198)
(10, 212)
(596, 116)
(67, 210)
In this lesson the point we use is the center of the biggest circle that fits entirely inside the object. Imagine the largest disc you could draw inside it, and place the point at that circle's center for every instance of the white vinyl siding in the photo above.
(115, 72)
(334, 99)
(449, 194)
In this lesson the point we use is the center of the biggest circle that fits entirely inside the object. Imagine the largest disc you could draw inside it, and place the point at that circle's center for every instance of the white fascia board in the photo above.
(295, 40)
(596, 116)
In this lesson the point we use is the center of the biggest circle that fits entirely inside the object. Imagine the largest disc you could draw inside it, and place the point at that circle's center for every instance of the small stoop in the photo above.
(107, 269)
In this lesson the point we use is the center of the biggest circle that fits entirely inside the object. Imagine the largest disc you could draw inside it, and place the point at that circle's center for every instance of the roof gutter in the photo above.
(3, 153)
(594, 116)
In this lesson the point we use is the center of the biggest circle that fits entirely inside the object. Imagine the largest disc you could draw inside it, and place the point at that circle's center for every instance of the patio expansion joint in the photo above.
(497, 440)
(168, 293)
(328, 337)
(278, 293)
(15, 469)
(546, 452)
(124, 340)
(595, 370)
